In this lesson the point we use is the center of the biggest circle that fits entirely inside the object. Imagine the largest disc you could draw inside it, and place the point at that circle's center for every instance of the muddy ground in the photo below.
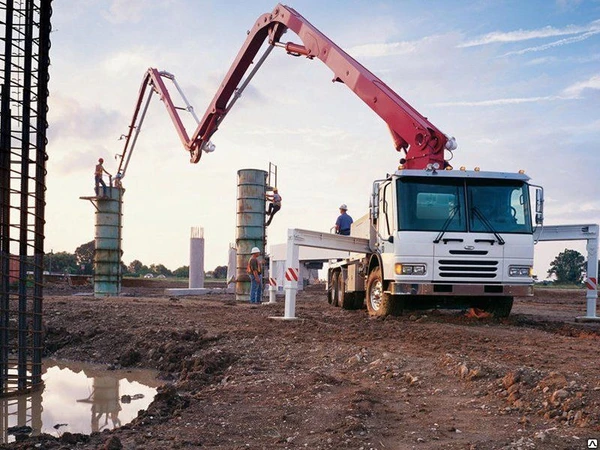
(236, 379)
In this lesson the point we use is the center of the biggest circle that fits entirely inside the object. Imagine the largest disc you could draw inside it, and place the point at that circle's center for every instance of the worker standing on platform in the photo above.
(274, 206)
(254, 270)
(343, 222)
(98, 177)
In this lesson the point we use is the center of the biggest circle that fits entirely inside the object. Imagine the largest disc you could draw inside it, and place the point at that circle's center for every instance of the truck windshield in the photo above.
(452, 204)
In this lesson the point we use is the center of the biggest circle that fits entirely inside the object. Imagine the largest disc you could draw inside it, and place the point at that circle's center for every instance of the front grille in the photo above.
(461, 268)
(468, 252)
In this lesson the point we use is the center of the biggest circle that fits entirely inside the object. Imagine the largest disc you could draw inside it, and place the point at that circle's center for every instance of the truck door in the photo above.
(386, 226)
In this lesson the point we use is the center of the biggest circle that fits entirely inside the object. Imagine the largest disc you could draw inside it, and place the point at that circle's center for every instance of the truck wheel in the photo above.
(501, 307)
(378, 302)
(333, 288)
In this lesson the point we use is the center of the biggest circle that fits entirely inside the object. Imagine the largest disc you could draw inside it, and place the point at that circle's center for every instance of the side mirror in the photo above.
(539, 206)
(391, 239)
(375, 201)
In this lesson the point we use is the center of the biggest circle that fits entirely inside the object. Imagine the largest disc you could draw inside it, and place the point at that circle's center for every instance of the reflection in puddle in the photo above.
(78, 398)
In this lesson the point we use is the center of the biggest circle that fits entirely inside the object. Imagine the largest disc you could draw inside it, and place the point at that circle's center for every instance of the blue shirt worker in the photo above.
(343, 222)
(274, 206)
(254, 270)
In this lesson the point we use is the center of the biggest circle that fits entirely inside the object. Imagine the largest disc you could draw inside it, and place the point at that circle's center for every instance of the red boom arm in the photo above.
(411, 131)
(155, 80)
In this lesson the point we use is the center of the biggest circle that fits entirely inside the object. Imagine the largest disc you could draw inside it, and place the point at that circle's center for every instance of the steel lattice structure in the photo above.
(25, 33)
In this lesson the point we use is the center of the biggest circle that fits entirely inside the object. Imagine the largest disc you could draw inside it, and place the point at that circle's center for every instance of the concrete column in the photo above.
(197, 258)
(250, 224)
(292, 265)
(107, 257)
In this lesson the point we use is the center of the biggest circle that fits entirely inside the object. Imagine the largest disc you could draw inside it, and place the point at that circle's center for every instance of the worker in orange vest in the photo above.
(254, 270)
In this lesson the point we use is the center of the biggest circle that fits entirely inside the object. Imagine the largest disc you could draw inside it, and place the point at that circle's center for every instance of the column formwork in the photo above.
(108, 236)
(250, 224)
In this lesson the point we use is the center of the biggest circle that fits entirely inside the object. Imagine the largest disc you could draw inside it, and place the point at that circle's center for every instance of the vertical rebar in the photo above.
(25, 27)
(5, 142)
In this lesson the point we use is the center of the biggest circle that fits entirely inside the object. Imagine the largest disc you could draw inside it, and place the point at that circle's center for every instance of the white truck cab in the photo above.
(448, 238)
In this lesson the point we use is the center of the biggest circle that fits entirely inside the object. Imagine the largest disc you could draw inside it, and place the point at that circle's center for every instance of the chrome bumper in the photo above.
(512, 290)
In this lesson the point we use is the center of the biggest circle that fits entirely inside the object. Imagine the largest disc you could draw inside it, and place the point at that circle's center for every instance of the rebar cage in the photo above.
(25, 33)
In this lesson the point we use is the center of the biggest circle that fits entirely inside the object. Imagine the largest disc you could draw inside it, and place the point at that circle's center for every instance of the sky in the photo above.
(517, 83)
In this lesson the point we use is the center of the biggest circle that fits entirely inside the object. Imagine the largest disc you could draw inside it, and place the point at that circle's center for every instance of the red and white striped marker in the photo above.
(272, 282)
(291, 274)
(591, 283)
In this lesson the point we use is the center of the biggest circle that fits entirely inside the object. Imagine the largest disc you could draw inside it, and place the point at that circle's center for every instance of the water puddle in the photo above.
(78, 398)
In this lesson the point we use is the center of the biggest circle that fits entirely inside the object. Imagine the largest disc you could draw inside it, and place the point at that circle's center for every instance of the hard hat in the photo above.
(255, 250)
(344, 207)
(101, 160)
(274, 189)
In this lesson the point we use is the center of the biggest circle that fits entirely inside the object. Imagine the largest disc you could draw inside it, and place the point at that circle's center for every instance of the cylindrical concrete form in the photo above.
(107, 258)
(250, 224)
(197, 258)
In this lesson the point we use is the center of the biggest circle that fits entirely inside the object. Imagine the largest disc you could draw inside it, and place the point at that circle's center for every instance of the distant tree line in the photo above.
(569, 267)
(82, 263)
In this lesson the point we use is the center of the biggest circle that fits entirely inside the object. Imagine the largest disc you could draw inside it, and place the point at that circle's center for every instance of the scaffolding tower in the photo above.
(24, 58)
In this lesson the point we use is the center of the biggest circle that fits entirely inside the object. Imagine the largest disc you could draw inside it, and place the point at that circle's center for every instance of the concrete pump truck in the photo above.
(436, 237)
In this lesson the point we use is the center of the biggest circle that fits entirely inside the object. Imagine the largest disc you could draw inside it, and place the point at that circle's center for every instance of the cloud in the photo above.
(505, 101)
(576, 89)
(524, 35)
(568, 4)
(70, 118)
(558, 43)
(127, 62)
(134, 11)
(544, 60)
(77, 161)
(121, 11)
(382, 49)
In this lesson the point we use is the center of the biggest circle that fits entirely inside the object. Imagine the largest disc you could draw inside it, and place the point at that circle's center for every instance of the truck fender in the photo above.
(374, 261)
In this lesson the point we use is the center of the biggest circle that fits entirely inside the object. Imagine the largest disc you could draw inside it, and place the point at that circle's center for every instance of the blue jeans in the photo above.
(99, 181)
(255, 291)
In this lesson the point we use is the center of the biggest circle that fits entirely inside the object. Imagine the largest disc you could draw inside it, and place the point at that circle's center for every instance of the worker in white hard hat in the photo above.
(98, 177)
(254, 271)
(274, 206)
(343, 222)
(118, 183)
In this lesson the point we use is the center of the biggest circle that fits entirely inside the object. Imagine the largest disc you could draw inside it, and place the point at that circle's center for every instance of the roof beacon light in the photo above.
(477, 169)
(521, 171)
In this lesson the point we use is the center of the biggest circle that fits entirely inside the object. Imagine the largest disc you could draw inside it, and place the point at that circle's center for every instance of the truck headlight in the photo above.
(520, 271)
(410, 269)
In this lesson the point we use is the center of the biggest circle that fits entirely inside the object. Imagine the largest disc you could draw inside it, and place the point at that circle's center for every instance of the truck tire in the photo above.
(501, 307)
(378, 302)
(332, 294)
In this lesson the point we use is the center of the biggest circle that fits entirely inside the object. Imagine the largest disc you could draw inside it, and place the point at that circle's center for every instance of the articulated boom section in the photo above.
(423, 143)
(155, 80)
